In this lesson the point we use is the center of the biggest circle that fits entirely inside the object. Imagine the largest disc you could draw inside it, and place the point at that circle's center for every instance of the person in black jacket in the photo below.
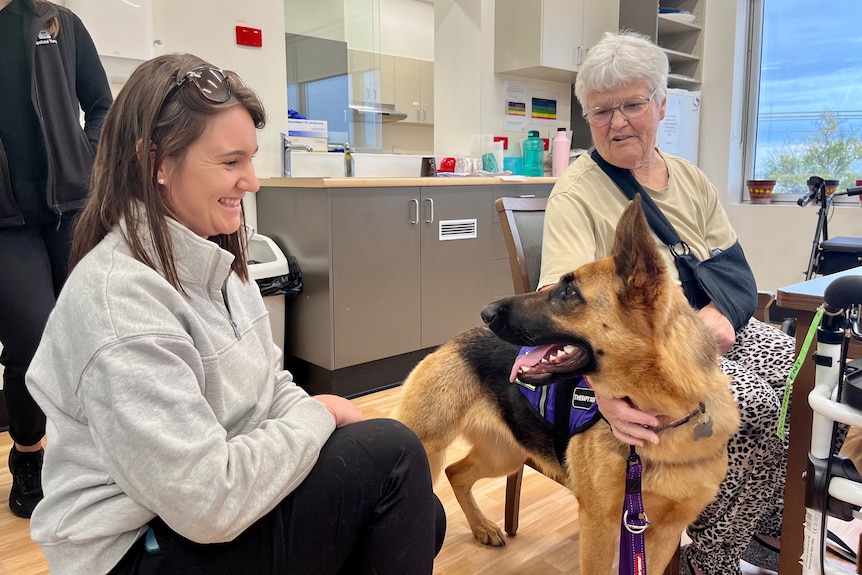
(49, 72)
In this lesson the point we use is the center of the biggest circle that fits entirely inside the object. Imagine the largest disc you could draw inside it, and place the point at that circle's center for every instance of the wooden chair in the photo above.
(522, 220)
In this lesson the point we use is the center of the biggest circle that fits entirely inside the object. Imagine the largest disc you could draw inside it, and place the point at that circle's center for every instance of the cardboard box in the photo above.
(314, 133)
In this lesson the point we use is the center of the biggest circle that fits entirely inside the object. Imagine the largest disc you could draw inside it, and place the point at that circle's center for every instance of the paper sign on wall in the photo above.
(515, 98)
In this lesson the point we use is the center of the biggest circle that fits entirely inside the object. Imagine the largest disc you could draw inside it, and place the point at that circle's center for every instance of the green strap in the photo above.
(797, 365)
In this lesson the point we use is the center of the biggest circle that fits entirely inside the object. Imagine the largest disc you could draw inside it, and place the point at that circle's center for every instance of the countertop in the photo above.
(399, 182)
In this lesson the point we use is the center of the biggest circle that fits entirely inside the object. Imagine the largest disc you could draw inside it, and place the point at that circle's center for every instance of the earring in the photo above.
(161, 181)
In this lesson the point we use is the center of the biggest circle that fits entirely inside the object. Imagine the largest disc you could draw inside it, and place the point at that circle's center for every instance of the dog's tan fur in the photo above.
(647, 345)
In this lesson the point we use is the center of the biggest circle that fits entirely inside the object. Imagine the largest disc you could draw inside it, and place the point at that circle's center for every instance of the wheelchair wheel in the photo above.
(788, 326)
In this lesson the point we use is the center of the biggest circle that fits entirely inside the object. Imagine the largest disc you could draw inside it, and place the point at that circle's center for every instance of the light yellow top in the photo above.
(585, 206)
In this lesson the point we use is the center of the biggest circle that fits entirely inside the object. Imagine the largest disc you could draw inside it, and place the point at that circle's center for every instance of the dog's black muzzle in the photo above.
(497, 316)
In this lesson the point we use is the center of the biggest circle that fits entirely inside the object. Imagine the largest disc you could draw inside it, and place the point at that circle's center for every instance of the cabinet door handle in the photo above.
(415, 203)
(418, 114)
(423, 114)
(430, 219)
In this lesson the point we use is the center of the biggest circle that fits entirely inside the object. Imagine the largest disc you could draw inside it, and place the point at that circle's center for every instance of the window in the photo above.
(805, 117)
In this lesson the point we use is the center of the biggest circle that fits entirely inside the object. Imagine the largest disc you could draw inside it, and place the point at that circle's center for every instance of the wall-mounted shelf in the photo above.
(679, 34)
(667, 24)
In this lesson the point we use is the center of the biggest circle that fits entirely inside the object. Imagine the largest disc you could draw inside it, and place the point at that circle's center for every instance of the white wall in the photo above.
(468, 96)
(407, 29)
(206, 28)
(777, 238)
(325, 21)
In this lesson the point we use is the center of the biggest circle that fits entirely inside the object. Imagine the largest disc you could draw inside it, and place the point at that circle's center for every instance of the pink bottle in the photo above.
(560, 152)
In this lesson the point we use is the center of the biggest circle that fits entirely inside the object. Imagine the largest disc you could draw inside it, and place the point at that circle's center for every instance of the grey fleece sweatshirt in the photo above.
(159, 404)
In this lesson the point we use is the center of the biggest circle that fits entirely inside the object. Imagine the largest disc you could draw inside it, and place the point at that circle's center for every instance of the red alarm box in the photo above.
(246, 36)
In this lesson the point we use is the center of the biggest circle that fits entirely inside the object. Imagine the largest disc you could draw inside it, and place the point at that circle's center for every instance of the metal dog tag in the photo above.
(703, 427)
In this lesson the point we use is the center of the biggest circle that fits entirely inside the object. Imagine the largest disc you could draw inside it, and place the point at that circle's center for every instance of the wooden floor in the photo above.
(546, 544)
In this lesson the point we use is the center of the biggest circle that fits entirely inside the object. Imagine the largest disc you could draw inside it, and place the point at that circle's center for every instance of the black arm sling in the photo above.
(725, 279)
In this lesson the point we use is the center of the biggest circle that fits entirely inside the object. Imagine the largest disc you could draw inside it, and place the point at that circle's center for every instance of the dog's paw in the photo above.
(489, 534)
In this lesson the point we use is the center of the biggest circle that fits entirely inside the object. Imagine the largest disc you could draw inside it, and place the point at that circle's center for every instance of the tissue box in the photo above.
(314, 133)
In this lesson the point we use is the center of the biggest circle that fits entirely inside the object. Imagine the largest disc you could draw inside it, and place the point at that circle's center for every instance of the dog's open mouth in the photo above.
(537, 365)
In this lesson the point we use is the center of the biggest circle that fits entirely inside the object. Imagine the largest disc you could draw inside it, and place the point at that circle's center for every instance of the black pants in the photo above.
(367, 507)
(34, 263)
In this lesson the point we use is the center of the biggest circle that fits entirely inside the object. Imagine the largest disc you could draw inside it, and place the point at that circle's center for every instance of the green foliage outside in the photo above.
(830, 152)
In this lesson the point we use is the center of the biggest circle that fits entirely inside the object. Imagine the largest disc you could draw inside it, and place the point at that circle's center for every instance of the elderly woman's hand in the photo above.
(626, 422)
(720, 326)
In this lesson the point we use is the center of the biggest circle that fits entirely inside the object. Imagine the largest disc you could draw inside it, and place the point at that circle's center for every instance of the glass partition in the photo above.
(333, 68)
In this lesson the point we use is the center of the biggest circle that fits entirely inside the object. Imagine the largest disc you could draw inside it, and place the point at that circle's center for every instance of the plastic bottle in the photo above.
(534, 149)
(560, 152)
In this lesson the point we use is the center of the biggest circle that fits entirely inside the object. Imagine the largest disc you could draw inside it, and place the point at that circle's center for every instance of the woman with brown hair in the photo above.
(176, 443)
(49, 72)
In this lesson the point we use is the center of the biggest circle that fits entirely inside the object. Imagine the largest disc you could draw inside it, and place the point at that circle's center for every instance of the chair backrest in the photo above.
(522, 220)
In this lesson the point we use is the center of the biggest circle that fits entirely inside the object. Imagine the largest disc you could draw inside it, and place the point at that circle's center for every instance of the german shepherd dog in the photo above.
(624, 324)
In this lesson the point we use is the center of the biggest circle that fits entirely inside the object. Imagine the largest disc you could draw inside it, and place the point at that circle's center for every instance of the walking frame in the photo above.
(833, 485)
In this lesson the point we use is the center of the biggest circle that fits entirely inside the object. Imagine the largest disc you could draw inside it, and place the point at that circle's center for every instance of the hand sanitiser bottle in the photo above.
(534, 150)
(560, 152)
(348, 161)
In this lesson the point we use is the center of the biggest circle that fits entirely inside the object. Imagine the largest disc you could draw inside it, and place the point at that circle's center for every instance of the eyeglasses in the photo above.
(212, 83)
(634, 108)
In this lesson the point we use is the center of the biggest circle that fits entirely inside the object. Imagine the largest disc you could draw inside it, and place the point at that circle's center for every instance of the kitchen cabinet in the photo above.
(397, 267)
(548, 39)
(365, 71)
(388, 272)
(412, 83)
(679, 34)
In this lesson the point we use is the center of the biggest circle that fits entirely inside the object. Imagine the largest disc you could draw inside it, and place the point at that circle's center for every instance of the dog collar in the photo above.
(702, 429)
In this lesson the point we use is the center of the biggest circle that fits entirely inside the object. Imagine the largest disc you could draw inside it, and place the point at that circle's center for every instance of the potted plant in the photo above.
(760, 191)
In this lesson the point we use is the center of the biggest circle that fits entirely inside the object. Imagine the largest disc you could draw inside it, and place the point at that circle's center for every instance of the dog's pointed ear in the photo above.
(636, 258)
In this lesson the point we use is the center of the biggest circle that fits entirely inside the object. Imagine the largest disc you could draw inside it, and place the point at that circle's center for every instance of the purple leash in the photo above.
(634, 521)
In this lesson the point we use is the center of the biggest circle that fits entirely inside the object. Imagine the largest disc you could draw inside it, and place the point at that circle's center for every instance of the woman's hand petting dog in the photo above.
(627, 423)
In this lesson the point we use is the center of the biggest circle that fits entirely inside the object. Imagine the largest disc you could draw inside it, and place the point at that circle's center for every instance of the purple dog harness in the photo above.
(570, 409)
(574, 409)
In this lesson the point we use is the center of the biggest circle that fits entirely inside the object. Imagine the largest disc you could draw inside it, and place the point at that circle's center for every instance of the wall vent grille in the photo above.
(457, 229)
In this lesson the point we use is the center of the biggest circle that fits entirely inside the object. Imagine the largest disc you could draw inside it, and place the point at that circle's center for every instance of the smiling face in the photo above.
(627, 143)
(205, 189)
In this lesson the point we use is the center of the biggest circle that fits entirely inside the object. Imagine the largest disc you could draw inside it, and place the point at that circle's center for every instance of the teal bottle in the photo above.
(534, 151)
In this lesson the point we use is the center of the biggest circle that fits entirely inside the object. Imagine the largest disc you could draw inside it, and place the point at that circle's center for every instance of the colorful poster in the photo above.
(544, 109)
(516, 108)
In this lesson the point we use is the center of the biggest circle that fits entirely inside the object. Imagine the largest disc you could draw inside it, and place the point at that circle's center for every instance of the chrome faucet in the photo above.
(286, 147)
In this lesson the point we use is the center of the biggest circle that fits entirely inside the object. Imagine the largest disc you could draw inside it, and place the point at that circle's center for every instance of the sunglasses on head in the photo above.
(213, 84)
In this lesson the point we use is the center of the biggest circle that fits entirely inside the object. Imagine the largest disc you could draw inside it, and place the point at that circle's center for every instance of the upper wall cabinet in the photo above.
(676, 26)
(412, 87)
(365, 77)
(548, 39)
(119, 29)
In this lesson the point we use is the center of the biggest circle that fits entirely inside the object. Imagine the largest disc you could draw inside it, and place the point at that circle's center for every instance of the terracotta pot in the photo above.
(831, 186)
(760, 191)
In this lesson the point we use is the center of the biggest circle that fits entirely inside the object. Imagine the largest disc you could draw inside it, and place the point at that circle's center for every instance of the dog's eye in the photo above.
(572, 291)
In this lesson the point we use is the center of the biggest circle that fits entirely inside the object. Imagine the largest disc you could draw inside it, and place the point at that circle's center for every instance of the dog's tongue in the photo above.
(529, 356)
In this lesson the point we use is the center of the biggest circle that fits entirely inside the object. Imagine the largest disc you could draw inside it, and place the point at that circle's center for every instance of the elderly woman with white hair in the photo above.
(622, 87)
